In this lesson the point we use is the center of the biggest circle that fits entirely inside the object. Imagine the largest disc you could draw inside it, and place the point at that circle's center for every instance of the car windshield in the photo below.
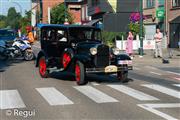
(6, 33)
(82, 34)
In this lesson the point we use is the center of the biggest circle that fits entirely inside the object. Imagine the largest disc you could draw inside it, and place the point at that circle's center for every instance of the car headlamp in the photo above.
(93, 51)
(116, 51)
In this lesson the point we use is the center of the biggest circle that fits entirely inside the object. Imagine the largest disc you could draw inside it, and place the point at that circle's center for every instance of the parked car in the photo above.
(81, 50)
(7, 35)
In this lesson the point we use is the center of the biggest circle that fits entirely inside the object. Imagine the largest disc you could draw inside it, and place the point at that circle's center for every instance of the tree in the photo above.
(13, 18)
(25, 21)
(58, 15)
(2, 24)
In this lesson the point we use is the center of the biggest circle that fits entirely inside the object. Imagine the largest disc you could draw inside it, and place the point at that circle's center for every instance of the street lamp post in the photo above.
(41, 10)
(141, 29)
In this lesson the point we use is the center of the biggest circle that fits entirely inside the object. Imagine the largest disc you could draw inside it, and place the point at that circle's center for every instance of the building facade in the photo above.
(79, 10)
(155, 15)
(114, 14)
(46, 6)
(173, 22)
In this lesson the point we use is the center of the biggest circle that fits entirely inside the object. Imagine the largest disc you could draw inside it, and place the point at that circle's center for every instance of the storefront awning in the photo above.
(176, 20)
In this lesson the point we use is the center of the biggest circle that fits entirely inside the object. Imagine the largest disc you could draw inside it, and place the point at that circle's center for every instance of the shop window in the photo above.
(175, 3)
(150, 3)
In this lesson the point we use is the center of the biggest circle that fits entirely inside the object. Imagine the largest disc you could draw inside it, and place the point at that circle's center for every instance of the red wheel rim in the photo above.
(77, 72)
(66, 59)
(42, 66)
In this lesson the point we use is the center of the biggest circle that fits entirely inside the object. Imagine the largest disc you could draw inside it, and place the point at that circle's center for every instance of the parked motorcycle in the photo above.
(19, 48)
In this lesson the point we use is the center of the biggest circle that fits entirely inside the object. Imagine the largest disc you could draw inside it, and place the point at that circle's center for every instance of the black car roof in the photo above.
(65, 26)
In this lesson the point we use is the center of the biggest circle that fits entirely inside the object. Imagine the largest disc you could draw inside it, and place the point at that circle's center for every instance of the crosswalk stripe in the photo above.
(53, 96)
(178, 85)
(94, 83)
(10, 99)
(95, 95)
(177, 78)
(164, 90)
(132, 92)
(173, 72)
(155, 73)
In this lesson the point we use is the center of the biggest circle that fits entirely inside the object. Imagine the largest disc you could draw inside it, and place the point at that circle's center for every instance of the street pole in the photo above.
(65, 14)
(141, 29)
(41, 13)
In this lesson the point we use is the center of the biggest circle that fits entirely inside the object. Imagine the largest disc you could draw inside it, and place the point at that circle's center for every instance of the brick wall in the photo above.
(51, 4)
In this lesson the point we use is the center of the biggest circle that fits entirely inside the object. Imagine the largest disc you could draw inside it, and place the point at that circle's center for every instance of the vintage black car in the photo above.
(79, 49)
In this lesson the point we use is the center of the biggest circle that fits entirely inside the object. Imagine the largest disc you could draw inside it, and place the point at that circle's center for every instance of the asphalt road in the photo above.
(152, 94)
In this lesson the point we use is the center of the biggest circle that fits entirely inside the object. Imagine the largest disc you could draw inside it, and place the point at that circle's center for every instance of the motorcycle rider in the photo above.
(30, 35)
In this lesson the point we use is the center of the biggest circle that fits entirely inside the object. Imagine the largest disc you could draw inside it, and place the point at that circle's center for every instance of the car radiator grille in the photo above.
(102, 57)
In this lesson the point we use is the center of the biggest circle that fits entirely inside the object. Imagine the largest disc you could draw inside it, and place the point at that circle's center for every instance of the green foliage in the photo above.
(110, 37)
(25, 21)
(58, 15)
(13, 18)
(135, 28)
(2, 24)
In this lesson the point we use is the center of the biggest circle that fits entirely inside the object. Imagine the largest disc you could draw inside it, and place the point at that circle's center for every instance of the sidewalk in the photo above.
(148, 58)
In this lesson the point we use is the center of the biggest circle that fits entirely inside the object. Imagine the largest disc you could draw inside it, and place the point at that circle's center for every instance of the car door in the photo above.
(49, 43)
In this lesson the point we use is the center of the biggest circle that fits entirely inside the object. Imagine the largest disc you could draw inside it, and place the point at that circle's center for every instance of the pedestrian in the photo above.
(158, 46)
(129, 44)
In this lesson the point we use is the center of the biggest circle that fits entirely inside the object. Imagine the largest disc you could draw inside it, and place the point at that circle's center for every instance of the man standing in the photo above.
(158, 39)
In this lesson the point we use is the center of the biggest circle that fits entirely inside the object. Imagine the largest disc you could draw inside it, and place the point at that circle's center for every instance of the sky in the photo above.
(20, 5)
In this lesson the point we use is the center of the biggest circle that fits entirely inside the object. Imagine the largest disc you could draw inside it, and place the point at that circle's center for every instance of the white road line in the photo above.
(135, 68)
(94, 83)
(151, 108)
(164, 90)
(178, 85)
(10, 99)
(152, 67)
(155, 73)
(132, 92)
(95, 95)
(173, 72)
(176, 78)
(53, 96)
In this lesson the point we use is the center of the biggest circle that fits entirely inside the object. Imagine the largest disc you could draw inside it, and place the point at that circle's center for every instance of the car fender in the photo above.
(83, 58)
(40, 54)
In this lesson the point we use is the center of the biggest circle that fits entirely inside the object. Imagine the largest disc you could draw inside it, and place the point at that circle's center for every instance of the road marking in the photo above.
(132, 92)
(10, 99)
(155, 73)
(135, 68)
(95, 95)
(152, 67)
(94, 83)
(151, 108)
(173, 72)
(53, 96)
(177, 78)
(178, 85)
(164, 90)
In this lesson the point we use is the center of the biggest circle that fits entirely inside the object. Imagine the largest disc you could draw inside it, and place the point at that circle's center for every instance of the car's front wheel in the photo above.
(43, 67)
(123, 76)
(80, 73)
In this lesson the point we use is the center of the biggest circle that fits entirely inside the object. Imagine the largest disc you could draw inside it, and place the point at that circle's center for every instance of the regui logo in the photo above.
(21, 113)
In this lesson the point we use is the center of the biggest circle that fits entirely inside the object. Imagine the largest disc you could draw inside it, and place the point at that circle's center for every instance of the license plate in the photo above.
(110, 69)
(124, 62)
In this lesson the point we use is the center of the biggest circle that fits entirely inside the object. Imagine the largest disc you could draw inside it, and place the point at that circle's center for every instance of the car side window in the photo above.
(61, 36)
